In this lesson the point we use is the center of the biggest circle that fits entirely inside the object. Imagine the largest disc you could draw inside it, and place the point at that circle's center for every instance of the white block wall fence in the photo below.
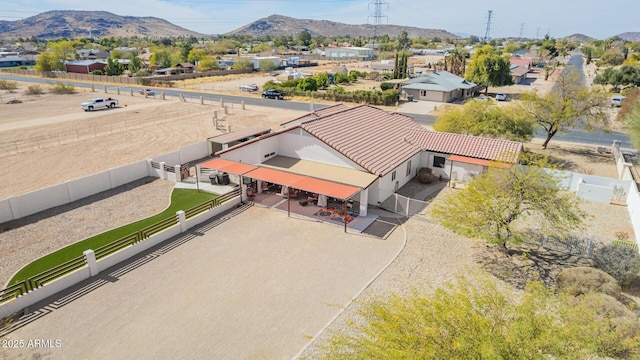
(92, 267)
(19, 206)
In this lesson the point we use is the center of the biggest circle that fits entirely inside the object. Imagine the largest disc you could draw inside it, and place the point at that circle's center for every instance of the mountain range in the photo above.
(75, 24)
(284, 25)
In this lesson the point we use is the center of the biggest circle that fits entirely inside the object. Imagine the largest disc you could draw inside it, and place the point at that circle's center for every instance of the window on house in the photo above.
(393, 176)
(438, 161)
(423, 93)
(408, 168)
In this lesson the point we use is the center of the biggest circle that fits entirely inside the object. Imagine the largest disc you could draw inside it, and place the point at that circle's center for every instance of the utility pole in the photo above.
(521, 31)
(487, 33)
(377, 15)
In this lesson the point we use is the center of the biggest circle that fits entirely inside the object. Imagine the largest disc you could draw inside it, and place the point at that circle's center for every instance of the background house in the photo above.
(441, 86)
(84, 66)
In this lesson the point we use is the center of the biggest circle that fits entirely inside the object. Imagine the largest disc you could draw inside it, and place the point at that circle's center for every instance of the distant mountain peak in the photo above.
(276, 25)
(81, 23)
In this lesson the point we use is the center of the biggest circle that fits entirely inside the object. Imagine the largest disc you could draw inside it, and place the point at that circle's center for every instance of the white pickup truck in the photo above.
(99, 103)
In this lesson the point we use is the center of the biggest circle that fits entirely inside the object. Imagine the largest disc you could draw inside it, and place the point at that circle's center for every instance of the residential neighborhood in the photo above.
(284, 192)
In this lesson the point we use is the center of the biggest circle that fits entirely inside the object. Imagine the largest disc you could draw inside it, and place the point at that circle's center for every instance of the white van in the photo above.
(617, 101)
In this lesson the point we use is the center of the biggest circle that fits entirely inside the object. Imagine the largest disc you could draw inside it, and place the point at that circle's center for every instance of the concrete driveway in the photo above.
(256, 286)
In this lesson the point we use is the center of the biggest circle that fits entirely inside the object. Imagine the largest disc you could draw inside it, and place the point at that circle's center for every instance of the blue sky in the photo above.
(596, 18)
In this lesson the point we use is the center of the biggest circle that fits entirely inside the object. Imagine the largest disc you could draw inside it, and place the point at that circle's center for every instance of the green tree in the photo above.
(478, 318)
(135, 64)
(64, 51)
(307, 84)
(569, 104)
(403, 42)
(489, 205)
(242, 64)
(207, 63)
(161, 58)
(485, 119)
(195, 55)
(456, 61)
(113, 68)
(587, 51)
(267, 65)
(47, 61)
(630, 115)
(305, 38)
(487, 67)
(322, 80)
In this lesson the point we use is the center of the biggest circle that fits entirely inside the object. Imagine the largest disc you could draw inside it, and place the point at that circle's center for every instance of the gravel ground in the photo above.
(27, 239)
(433, 255)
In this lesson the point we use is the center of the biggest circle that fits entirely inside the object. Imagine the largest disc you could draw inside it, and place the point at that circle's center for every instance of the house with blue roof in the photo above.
(441, 86)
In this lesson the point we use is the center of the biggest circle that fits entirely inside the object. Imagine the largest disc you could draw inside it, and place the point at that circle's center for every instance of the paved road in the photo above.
(257, 286)
(576, 136)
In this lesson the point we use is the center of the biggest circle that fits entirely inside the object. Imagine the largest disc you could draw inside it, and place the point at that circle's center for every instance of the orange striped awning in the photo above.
(305, 183)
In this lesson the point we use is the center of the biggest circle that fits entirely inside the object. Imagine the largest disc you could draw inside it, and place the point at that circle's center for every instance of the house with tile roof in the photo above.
(441, 86)
(369, 151)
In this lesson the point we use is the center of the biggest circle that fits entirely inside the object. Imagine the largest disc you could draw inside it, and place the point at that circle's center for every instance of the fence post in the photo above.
(90, 258)
(105, 89)
(163, 173)
(162, 96)
(177, 170)
(118, 90)
(201, 100)
(131, 91)
(408, 204)
(93, 88)
(395, 203)
(221, 102)
(243, 105)
(226, 110)
(183, 220)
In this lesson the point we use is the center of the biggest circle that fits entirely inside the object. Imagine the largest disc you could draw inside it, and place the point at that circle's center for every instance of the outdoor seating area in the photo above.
(310, 205)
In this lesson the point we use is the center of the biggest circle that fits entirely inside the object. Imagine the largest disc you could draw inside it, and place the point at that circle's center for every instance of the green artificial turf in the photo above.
(181, 199)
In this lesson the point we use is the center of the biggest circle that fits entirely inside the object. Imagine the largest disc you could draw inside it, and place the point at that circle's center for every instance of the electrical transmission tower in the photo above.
(377, 15)
(487, 33)
(522, 31)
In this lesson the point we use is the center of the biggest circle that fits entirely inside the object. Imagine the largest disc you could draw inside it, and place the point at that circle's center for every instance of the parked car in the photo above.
(617, 101)
(99, 103)
(273, 94)
(148, 92)
(482, 98)
(249, 87)
(501, 97)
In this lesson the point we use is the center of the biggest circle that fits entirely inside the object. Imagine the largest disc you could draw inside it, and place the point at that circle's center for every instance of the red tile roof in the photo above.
(466, 145)
(370, 137)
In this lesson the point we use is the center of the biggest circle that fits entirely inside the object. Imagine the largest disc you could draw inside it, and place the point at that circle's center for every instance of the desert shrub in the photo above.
(620, 261)
(8, 85)
(584, 280)
(63, 89)
(34, 90)
(386, 86)
(614, 324)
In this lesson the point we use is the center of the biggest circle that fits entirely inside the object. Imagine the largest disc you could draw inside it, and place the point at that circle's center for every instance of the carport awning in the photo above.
(305, 183)
(230, 167)
(476, 161)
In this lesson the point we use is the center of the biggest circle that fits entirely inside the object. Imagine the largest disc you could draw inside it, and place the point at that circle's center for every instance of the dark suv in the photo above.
(273, 94)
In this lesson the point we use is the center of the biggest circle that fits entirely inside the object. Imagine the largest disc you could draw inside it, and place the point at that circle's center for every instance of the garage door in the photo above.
(431, 96)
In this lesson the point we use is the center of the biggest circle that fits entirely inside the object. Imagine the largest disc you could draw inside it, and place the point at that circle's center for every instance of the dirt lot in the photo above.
(48, 139)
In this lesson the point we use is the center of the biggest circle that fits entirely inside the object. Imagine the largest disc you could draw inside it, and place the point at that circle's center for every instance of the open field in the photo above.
(48, 139)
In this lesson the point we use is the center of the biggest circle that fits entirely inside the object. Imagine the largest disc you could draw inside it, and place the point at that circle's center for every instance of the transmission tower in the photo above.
(377, 15)
(537, 33)
(487, 33)
(521, 31)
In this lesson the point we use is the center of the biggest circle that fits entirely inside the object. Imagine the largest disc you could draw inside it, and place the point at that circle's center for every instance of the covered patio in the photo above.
(319, 199)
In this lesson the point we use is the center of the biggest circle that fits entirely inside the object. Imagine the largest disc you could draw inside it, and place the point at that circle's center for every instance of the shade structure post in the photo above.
(345, 216)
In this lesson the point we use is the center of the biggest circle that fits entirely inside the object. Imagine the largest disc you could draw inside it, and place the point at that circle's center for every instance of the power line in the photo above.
(377, 15)
(487, 33)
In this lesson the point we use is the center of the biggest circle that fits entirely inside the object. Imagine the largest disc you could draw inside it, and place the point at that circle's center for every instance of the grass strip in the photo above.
(181, 199)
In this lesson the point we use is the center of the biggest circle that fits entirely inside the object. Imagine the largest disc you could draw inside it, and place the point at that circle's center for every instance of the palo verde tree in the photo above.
(485, 119)
(569, 104)
(492, 202)
(630, 115)
(489, 68)
(478, 318)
